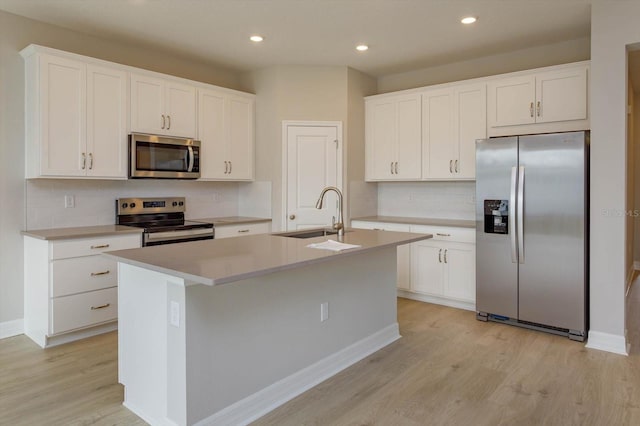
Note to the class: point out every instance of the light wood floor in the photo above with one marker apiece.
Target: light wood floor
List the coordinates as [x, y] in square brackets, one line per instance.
[448, 369]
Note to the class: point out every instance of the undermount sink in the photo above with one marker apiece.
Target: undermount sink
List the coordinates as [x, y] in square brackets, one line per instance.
[308, 233]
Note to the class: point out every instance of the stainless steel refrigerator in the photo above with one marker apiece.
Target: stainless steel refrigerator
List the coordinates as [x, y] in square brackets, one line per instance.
[532, 232]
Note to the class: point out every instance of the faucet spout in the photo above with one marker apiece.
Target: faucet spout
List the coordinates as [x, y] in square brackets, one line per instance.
[337, 225]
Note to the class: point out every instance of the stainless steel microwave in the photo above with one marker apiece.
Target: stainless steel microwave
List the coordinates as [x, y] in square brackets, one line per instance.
[163, 157]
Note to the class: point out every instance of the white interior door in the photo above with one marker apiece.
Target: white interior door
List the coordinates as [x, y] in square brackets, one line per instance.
[313, 162]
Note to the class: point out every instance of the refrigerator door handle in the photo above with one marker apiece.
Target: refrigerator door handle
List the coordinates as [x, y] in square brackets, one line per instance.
[521, 214]
[512, 216]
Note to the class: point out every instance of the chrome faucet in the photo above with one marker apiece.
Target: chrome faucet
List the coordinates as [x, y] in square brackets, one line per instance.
[337, 225]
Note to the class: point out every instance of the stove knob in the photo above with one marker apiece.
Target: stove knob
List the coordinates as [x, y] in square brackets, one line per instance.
[132, 205]
[125, 205]
[175, 203]
[181, 203]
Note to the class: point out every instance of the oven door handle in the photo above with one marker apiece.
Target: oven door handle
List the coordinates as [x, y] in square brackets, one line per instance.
[170, 235]
[191, 159]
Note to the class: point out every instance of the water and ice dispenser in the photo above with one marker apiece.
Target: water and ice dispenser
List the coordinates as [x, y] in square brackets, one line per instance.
[496, 216]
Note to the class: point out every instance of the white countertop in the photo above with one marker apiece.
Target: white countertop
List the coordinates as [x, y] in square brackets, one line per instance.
[81, 232]
[231, 220]
[462, 223]
[214, 262]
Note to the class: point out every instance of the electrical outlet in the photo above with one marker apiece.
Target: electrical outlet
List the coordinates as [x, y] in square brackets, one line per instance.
[174, 320]
[69, 201]
[324, 311]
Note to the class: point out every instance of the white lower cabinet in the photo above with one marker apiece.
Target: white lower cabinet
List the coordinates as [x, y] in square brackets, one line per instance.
[71, 291]
[439, 270]
[239, 230]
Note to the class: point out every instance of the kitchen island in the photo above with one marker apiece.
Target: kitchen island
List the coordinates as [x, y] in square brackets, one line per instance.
[223, 331]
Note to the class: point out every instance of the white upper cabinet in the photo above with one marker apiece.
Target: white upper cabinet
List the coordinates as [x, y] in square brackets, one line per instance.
[550, 100]
[75, 118]
[226, 131]
[393, 138]
[452, 119]
[163, 107]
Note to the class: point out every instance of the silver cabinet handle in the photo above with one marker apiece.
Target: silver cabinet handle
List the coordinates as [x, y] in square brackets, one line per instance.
[163, 122]
[531, 109]
[396, 167]
[440, 256]
[243, 231]
[84, 160]
[445, 255]
[538, 109]
[90, 161]
[442, 235]
[456, 166]
[391, 164]
[230, 167]
[168, 121]
[100, 246]
[520, 214]
[292, 217]
[95, 274]
[95, 308]
[450, 166]
[512, 215]
[226, 167]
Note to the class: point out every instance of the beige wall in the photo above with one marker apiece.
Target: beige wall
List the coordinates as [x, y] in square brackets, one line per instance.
[306, 94]
[534, 57]
[631, 180]
[613, 27]
[16, 33]
[636, 140]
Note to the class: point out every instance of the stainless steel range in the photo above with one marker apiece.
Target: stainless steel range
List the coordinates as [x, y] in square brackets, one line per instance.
[162, 220]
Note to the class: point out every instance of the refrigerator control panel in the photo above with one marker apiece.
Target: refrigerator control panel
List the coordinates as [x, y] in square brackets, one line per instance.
[496, 216]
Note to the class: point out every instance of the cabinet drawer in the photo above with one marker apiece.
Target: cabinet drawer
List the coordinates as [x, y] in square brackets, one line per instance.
[381, 226]
[81, 274]
[90, 246]
[227, 231]
[83, 310]
[446, 233]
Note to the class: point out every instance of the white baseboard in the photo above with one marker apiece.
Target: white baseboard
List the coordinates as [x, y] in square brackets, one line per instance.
[11, 328]
[607, 342]
[260, 403]
[468, 306]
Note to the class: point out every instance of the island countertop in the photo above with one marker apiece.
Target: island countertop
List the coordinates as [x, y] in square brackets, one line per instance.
[214, 262]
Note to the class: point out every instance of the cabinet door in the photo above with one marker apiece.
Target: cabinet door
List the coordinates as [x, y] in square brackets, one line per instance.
[147, 105]
[460, 279]
[241, 137]
[409, 143]
[470, 124]
[63, 115]
[180, 110]
[561, 95]
[427, 268]
[404, 267]
[437, 131]
[211, 132]
[511, 101]
[106, 122]
[380, 138]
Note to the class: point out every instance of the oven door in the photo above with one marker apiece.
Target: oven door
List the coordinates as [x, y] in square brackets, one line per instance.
[152, 156]
[178, 236]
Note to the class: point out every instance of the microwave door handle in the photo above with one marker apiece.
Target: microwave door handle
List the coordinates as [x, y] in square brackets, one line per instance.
[191, 159]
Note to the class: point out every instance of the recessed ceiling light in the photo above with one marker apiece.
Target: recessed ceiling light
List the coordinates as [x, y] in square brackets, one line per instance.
[468, 20]
[362, 47]
[256, 38]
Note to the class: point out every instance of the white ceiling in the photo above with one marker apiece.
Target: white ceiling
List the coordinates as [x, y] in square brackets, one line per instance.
[403, 35]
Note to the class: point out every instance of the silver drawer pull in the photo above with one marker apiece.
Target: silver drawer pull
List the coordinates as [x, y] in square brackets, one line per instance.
[442, 235]
[378, 229]
[95, 274]
[243, 231]
[100, 246]
[95, 308]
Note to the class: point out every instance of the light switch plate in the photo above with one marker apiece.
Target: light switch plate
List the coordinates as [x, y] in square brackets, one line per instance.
[324, 311]
[175, 314]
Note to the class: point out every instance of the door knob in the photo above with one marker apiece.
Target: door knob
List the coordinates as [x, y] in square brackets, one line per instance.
[292, 216]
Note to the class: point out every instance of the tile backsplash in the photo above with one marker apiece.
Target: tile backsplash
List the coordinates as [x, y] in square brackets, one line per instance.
[446, 200]
[95, 199]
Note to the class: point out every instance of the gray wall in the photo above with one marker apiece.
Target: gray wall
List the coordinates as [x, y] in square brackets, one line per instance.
[15, 34]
